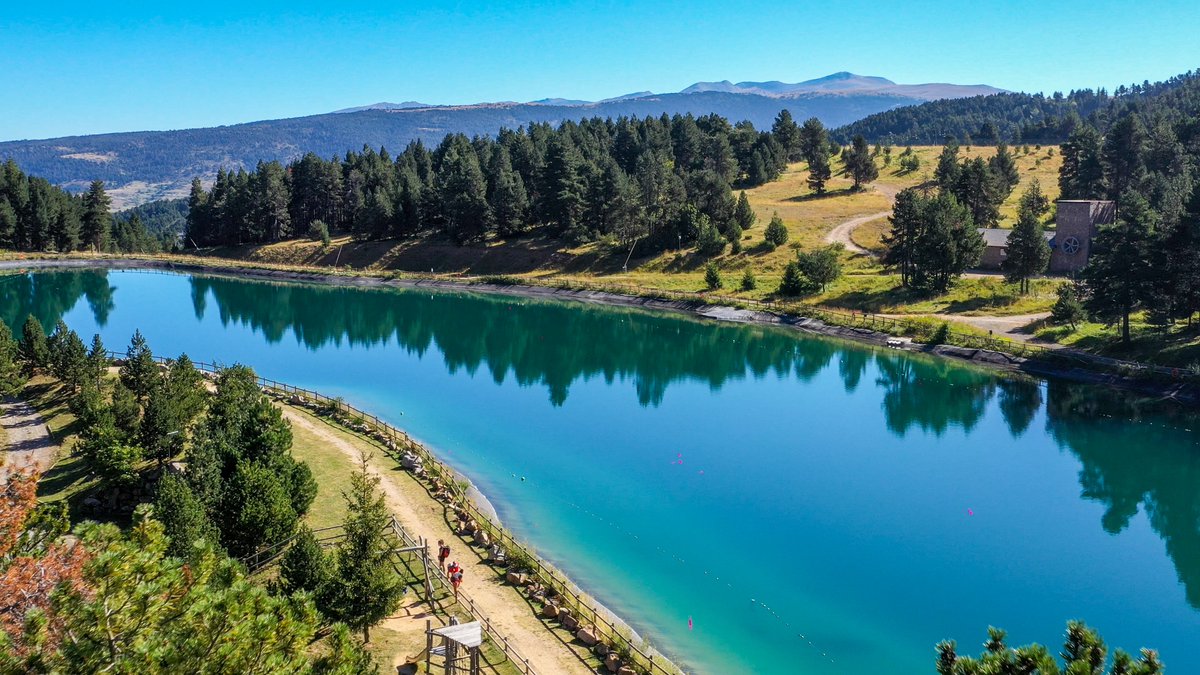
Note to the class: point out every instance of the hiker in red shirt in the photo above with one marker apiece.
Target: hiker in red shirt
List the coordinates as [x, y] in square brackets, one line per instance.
[443, 553]
[456, 581]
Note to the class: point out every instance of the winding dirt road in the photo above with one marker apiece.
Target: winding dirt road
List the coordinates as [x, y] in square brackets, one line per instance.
[29, 443]
[840, 234]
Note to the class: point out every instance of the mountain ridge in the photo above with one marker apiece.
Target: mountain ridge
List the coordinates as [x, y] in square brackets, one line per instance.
[141, 166]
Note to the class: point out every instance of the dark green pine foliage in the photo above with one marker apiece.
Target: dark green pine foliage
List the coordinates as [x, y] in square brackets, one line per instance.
[463, 192]
[306, 567]
[859, 162]
[627, 179]
[932, 240]
[744, 215]
[139, 373]
[506, 195]
[1028, 250]
[34, 351]
[1122, 156]
[97, 217]
[1004, 166]
[981, 191]
[11, 375]
[947, 172]
[1082, 172]
[366, 587]
[1083, 653]
[183, 516]
[787, 134]
[1119, 274]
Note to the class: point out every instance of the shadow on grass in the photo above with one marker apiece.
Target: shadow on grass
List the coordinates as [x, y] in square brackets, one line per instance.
[829, 194]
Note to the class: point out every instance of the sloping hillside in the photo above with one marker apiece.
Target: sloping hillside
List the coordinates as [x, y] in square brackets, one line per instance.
[141, 166]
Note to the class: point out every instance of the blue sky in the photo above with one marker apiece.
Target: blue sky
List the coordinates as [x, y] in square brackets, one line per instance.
[74, 68]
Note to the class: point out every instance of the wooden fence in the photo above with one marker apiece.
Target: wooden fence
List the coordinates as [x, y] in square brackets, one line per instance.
[396, 443]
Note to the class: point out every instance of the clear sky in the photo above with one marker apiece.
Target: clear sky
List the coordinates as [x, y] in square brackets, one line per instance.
[75, 68]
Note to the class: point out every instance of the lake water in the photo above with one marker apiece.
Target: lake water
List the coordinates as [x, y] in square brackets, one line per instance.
[812, 506]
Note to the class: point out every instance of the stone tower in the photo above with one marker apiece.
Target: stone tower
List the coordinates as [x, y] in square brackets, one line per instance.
[1075, 226]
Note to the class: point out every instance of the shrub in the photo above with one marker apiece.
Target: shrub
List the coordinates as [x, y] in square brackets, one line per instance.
[709, 241]
[793, 282]
[319, 231]
[712, 276]
[776, 233]
[749, 283]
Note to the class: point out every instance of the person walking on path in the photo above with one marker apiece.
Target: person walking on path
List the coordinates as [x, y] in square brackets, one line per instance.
[443, 553]
[452, 569]
[456, 581]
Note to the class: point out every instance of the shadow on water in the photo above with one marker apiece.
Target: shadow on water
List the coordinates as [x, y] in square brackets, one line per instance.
[1135, 454]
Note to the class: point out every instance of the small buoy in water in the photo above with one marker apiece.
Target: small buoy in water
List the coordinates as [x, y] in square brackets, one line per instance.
[522, 479]
[970, 512]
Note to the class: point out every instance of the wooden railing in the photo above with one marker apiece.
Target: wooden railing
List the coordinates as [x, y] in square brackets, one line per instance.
[396, 443]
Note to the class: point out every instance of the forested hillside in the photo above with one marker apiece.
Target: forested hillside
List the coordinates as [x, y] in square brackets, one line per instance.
[158, 162]
[665, 181]
[1025, 118]
[37, 216]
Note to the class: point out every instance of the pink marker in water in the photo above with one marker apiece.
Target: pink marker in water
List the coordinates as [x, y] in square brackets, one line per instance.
[970, 512]
[690, 624]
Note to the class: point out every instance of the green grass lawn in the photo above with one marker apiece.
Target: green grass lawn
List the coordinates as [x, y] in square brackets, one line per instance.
[1177, 346]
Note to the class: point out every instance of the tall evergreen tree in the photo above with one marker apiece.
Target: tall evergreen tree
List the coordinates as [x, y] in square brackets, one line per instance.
[1119, 276]
[139, 372]
[787, 134]
[947, 171]
[744, 214]
[367, 586]
[1028, 250]
[11, 377]
[97, 219]
[33, 348]
[859, 163]
[463, 194]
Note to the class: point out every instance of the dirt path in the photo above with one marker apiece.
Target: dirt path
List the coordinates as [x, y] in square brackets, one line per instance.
[840, 234]
[29, 441]
[1012, 327]
[424, 517]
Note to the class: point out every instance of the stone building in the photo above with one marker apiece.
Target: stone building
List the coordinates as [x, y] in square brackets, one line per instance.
[1070, 240]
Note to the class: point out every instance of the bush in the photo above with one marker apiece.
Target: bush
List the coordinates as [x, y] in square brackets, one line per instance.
[709, 241]
[749, 283]
[712, 276]
[776, 234]
[1068, 308]
[319, 231]
[794, 281]
[822, 266]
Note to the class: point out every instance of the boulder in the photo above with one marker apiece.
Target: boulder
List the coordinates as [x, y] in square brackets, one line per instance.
[626, 670]
[550, 611]
[600, 649]
[515, 578]
[612, 662]
[587, 636]
[569, 622]
[482, 538]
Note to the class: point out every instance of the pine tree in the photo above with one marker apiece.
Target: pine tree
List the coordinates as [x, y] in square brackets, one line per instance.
[139, 373]
[1068, 307]
[819, 171]
[776, 234]
[97, 360]
[97, 220]
[1028, 250]
[981, 191]
[859, 163]
[749, 283]
[11, 377]
[463, 194]
[948, 244]
[1004, 166]
[787, 134]
[506, 195]
[1122, 155]
[908, 222]
[1119, 274]
[793, 281]
[712, 276]
[1034, 200]
[744, 215]
[563, 188]
[814, 141]
[305, 566]
[33, 348]
[947, 171]
[182, 515]
[367, 586]
[1082, 172]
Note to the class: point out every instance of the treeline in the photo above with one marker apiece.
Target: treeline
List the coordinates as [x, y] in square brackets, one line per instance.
[38, 216]
[1019, 118]
[240, 491]
[1147, 160]
[934, 237]
[167, 591]
[667, 181]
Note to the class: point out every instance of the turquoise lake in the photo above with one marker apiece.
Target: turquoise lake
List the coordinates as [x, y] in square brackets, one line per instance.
[813, 506]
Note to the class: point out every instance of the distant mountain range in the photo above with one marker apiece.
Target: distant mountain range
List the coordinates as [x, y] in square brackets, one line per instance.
[146, 165]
